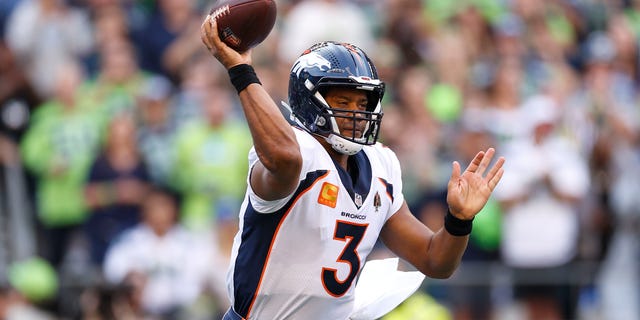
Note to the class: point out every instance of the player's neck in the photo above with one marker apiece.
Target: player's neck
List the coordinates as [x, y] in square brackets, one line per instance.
[340, 158]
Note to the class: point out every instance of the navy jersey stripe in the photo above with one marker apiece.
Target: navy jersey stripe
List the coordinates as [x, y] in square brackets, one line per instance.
[361, 167]
[389, 187]
[364, 174]
[258, 235]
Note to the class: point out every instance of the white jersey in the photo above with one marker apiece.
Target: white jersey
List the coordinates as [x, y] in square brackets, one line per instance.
[298, 257]
[169, 281]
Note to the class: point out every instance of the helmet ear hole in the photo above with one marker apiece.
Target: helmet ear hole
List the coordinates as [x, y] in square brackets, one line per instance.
[321, 122]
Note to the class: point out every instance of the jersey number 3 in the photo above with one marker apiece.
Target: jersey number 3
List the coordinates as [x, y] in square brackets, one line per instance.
[352, 234]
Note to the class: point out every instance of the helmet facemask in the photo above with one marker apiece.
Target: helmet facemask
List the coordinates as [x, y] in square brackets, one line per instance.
[350, 142]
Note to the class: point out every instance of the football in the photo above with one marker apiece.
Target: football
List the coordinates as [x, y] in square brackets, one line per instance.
[243, 24]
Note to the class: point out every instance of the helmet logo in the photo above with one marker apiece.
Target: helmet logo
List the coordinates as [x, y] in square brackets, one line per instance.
[311, 60]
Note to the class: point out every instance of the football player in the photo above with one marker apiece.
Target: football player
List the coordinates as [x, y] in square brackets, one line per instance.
[321, 189]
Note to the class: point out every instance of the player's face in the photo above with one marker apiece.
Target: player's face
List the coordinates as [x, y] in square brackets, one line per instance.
[350, 124]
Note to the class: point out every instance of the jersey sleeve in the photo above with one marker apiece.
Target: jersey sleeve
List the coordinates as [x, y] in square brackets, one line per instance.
[308, 152]
[395, 175]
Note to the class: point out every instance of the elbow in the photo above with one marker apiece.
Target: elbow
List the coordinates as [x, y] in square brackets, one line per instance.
[444, 274]
[291, 160]
[438, 271]
[283, 160]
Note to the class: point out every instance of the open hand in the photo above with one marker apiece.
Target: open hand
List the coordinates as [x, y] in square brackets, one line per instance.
[467, 193]
[225, 54]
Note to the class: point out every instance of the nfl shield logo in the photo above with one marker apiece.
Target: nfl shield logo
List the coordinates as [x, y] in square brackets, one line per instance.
[358, 200]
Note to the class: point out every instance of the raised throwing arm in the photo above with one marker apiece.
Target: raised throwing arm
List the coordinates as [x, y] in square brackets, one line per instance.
[276, 174]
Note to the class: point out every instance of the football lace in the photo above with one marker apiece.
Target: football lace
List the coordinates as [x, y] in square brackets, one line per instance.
[224, 10]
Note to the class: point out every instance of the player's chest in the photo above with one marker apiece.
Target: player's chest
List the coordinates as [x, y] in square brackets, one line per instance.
[331, 200]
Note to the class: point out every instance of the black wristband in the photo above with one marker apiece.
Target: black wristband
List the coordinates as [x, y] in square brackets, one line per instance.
[242, 76]
[457, 227]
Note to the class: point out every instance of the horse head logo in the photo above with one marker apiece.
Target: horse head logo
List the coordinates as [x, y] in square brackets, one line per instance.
[311, 60]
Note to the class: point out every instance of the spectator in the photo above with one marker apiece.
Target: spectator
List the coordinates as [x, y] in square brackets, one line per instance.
[509, 32]
[449, 59]
[45, 35]
[211, 165]
[605, 121]
[161, 260]
[625, 41]
[406, 28]
[197, 78]
[157, 129]
[421, 166]
[62, 139]
[477, 31]
[116, 185]
[170, 37]
[306, 24]
[504, 98]
[477, 301]
[118, 81]
[543, 185]
[110, 25]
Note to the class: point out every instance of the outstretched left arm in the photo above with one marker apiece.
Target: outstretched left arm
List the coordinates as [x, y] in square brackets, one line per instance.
[438, 254]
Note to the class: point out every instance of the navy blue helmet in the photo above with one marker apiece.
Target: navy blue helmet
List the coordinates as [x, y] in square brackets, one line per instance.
[331, 64]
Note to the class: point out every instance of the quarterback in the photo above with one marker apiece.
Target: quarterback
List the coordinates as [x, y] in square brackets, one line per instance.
[320, 192]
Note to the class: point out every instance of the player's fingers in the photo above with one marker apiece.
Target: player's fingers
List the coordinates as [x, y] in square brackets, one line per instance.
[205, 32]
[215, 37]
[455, 171]
[486, 159]
[213, 24]
[203, 24]
[492, 172]
[495, 179]
[203, 28]
[473, 165]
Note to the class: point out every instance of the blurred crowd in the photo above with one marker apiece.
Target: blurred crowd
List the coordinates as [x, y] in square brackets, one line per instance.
[123, 150]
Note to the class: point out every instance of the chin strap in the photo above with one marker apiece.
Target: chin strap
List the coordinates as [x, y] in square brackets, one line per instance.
[343, 145]
[338, 143]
